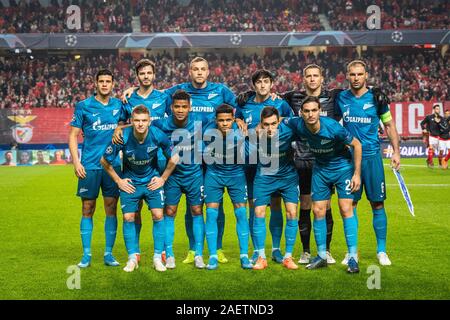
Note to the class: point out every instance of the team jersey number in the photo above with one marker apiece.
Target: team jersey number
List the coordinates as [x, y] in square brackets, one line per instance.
[348, 187]
[202, 193]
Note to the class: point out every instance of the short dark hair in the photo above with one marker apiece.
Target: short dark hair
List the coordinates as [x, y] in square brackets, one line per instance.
[140, 109]
[269, 111]
[261, 74]
[144, 63]
[310, 99]
[104, 72]
[181, 95]
[435, 106]
[224, 108]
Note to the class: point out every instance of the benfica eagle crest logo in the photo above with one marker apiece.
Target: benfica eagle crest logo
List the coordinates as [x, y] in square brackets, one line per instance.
[22, 132]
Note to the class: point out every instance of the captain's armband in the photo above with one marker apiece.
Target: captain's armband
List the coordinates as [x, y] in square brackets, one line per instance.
[386, 117]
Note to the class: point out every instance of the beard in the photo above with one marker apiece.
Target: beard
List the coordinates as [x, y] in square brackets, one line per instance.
[145, 86]
[358, 86]
[199, 83]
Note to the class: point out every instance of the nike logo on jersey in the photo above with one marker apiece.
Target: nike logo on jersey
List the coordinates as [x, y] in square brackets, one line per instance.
[83, 190]
[115, 112]
[123, 206]
[156, 105]
[150, 149]
[367, 106]
[324, 141]
[95, 114]
[129, 151]
[212, 95]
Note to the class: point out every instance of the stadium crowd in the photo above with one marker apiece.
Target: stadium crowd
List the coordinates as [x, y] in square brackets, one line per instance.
[32, 17]
[57, 83]
[223, 15]
[347, 15]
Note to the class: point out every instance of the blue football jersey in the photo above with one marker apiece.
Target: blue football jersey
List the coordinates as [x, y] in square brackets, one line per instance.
[281, 152]
[97, 121]
[205, 101]
[158, 103]
[251, 111]
[139, 159]
[361, 117]
[329, 145]
[227, 154]
[188, 140]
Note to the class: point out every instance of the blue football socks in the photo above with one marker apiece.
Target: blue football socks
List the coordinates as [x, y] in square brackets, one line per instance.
[211, 230]
[351, 236]
[169, 224]
[86, 227]
[320, 234]
[242, 229]
[110, 233]
[380, 227]
[290, 234]
[276, 227]
[199, 233]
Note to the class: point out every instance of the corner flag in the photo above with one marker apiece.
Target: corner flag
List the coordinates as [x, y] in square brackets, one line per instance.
[405, 191]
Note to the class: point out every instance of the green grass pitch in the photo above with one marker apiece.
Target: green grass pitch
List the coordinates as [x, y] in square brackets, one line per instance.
[40, 240]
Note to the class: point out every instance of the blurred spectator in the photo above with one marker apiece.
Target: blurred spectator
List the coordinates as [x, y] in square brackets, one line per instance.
[48, 82]
[346, 15]
[222, 15]
[97, 16]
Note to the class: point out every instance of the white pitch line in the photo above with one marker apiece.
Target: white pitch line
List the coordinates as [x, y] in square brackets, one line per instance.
[420, 185]
[407, 165]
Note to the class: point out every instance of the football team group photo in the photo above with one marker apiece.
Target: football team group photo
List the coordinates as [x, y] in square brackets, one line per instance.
[224, 150]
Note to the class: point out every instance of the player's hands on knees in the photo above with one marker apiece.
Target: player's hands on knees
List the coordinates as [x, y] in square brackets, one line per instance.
[395, 161]
[117, 136]
[125, 185]
[80, 172]
[260, 132]
[155, 183]
[127, 94]
[242, 126]
[355, 184]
